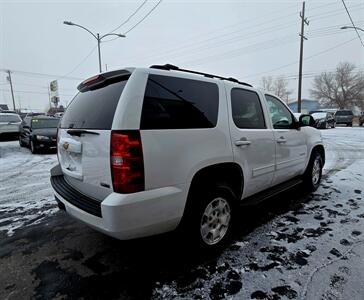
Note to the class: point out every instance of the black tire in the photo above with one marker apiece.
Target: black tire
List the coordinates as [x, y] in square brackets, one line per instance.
[21, 143]
[195, 216]
[350, 124]
[310, 179]
[33, 147]
[333, 125]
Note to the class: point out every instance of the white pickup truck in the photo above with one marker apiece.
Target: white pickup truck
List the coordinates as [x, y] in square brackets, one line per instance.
[144, 151]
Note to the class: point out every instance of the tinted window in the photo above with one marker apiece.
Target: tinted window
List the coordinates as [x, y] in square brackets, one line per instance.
[246, 109]
[344, 113]
[279, 113]
[45, 123]
[9, 118]
[93, 109]
[176, 103]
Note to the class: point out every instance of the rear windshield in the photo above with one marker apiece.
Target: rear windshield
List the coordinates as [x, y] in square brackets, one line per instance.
[9, 118]
[44, 123]
[344, 113]
[93, 109]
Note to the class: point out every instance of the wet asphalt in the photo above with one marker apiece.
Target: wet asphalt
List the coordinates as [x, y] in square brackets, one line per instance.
[294, 246]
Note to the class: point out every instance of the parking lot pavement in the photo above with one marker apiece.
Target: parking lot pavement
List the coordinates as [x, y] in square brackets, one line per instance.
[295, 245]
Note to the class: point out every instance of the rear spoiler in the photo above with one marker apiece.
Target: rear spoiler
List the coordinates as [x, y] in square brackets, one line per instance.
[103, 79]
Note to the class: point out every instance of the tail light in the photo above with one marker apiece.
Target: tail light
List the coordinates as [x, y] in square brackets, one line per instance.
[126, 160]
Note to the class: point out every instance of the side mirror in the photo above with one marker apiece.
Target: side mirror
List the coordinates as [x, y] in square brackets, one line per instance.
[306, 120]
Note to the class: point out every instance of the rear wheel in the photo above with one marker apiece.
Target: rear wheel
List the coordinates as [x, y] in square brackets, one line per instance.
[208, 217]
[350, 124]
[333, 125]
[313, 174]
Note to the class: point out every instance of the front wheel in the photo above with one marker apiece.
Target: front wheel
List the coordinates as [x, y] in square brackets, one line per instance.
[313, 174]
[21, 143]
[33, 147]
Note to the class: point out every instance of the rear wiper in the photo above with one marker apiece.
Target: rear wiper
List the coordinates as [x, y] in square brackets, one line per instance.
[78, 132]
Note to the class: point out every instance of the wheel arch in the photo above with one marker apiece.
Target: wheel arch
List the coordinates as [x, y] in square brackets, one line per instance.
[321, 150]
[229, 173]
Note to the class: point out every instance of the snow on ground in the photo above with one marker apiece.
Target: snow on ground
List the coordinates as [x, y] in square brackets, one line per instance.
[293, 246]
[310, 252]
[25, 192]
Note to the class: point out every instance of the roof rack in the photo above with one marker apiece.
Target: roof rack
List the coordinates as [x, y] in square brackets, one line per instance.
[169, 67]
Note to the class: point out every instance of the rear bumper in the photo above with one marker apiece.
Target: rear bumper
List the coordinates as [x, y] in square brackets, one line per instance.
[127, 216]
[9, 131]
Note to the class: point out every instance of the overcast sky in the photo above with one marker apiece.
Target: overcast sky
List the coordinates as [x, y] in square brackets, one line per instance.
[242, 39]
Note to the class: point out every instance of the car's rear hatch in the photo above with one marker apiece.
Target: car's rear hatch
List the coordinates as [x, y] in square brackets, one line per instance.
[85, 132]
[9, 123]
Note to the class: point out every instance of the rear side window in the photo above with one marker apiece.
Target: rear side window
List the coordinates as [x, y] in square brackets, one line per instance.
[9, 118]
[177, 103]
[246, 109]
[94, 109]
[344, 113]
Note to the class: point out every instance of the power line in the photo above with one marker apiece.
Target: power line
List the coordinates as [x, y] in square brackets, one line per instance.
[214, 38]
[352, 22]
[80, 63]
[295, 62]
[35, 74]
[132, 15]
[140, 21]
[33, 92]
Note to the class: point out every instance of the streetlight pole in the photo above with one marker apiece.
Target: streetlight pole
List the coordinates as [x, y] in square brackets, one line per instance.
[352, 27]
[96, 36]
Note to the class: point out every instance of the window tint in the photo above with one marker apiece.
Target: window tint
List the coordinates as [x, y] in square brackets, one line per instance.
[281, 116]
[9, 118]
[344, 113]
[176, 103]
[246, 109]
[93, 109]
[44, 123]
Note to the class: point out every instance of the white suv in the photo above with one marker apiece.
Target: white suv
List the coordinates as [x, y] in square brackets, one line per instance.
[144, 151]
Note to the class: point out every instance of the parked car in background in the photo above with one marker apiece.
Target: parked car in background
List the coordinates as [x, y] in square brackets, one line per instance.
[361, 119]
[174, 148]
[344, 116]
[38, 132]
[323, 120]
[9, 124]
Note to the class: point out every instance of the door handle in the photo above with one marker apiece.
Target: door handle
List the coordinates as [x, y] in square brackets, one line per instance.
[242, 142]
[281, 140]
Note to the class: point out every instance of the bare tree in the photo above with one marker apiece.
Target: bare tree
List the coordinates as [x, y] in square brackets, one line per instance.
[267, 83]
[343, 88]
[277, 86]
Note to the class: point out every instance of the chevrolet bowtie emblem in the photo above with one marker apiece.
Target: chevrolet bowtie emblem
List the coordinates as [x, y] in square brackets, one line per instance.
[66, 145]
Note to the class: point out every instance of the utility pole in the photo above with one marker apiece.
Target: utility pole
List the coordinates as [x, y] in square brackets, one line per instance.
[11, 87]
[302, 35]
